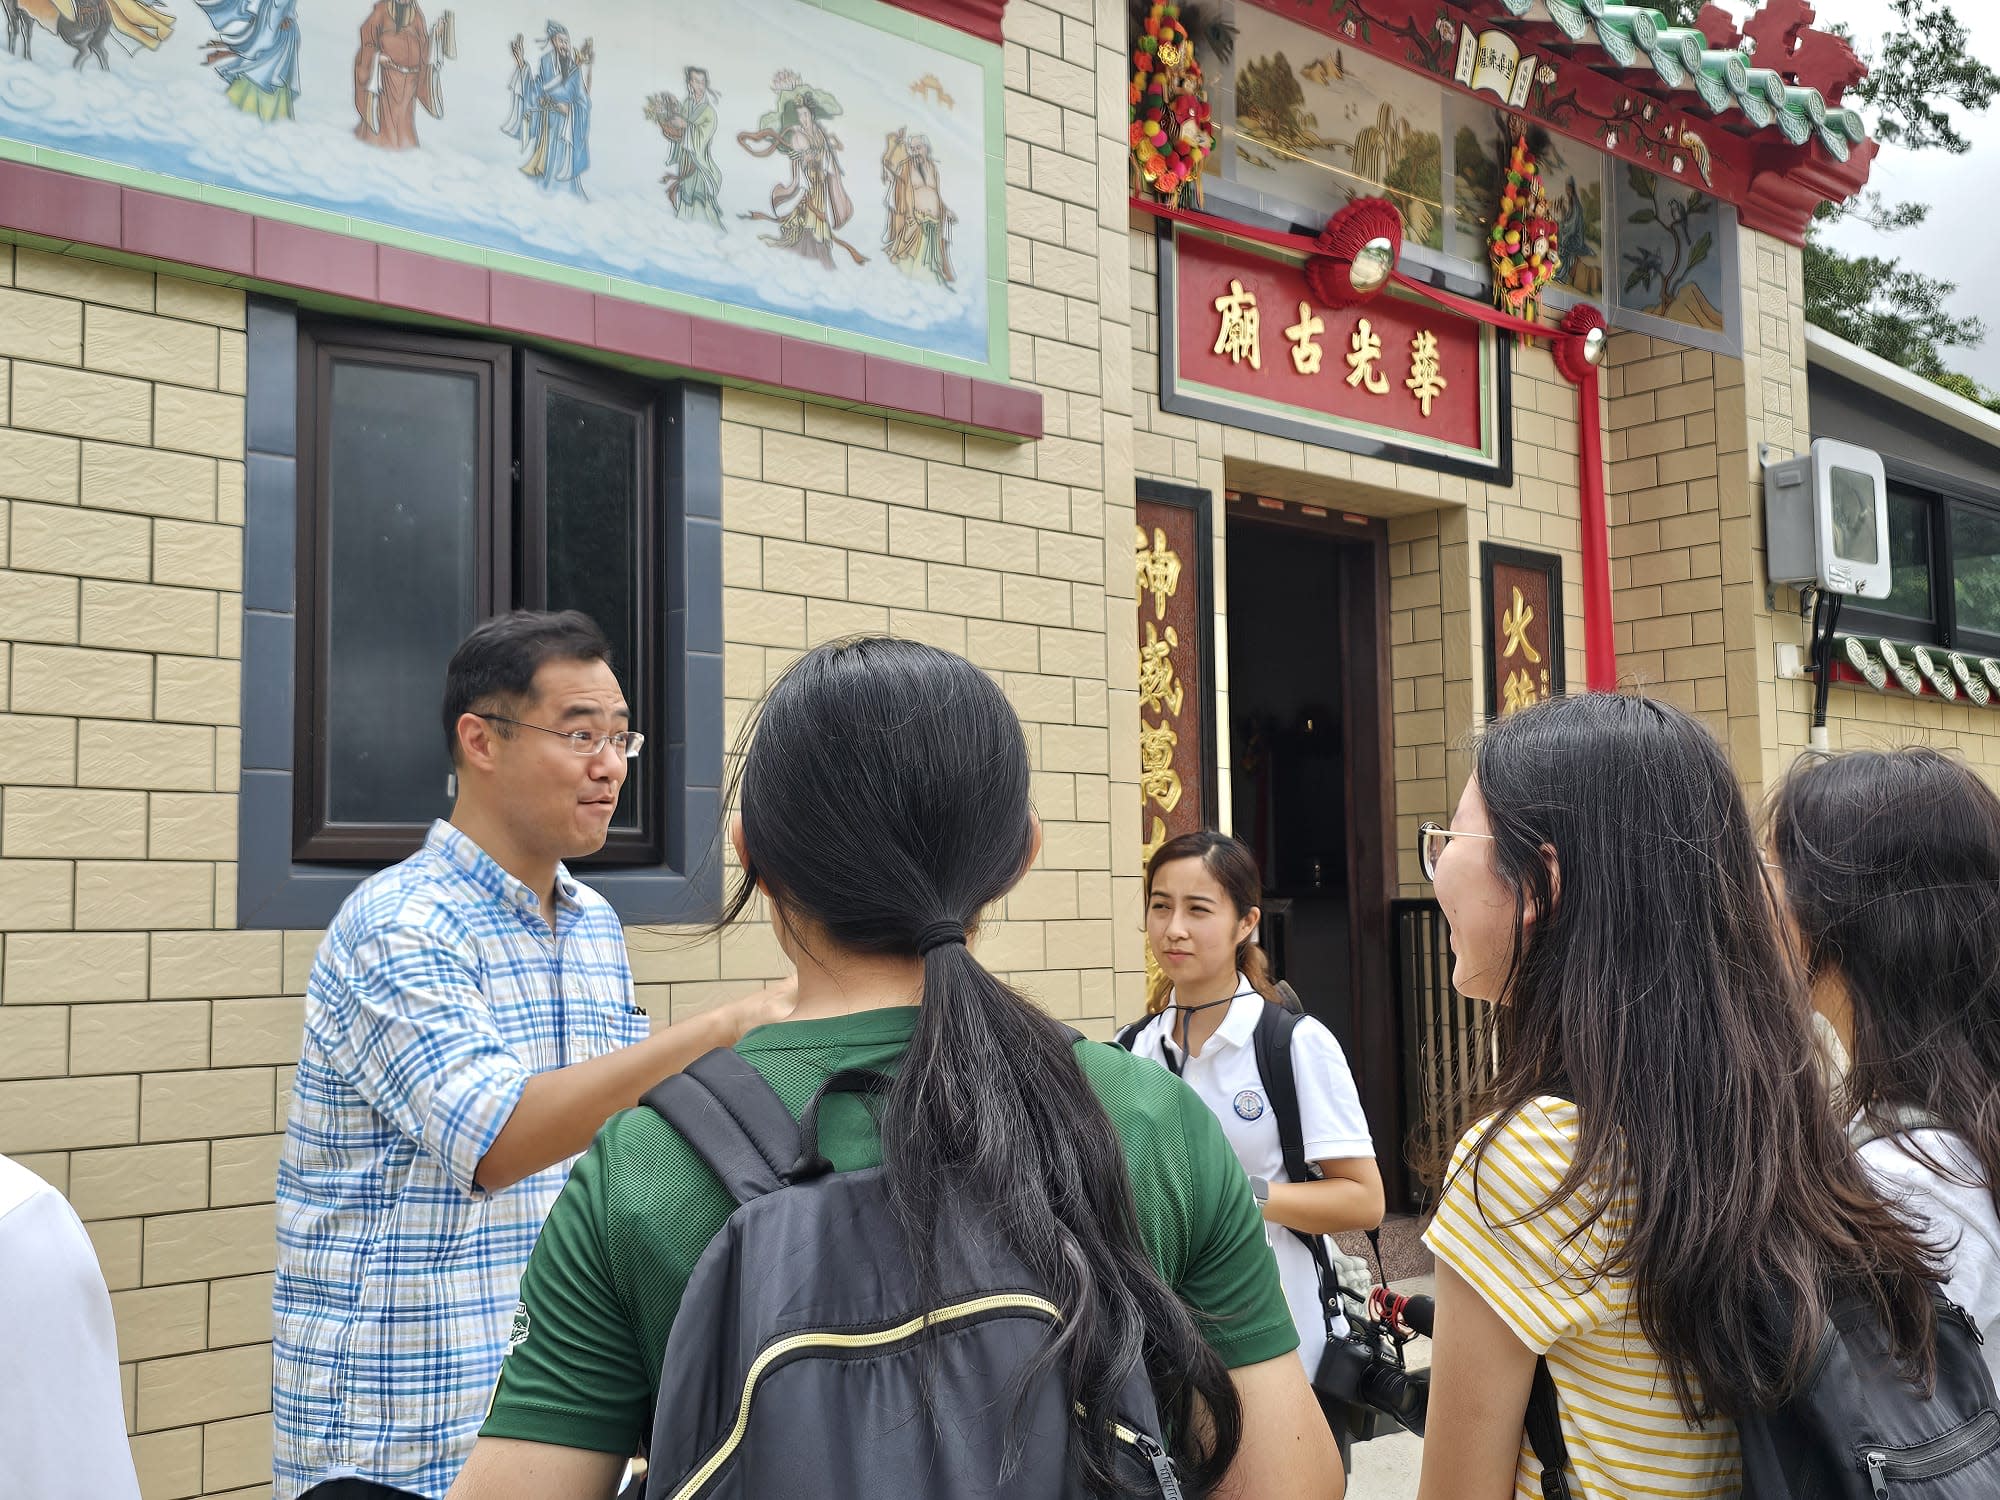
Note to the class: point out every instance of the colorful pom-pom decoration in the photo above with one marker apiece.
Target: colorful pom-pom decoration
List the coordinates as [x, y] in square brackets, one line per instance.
[1523, 244]
[1172, 130]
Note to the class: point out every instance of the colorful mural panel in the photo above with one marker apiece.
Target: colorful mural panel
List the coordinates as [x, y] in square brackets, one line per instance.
[1321, 124]
[831, 165]
[1669, 252]
[1482, 139]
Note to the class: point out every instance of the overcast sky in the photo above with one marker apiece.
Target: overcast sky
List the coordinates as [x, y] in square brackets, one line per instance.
[1961, 240]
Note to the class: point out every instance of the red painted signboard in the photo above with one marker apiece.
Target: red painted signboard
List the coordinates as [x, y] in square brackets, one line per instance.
[1252, 345]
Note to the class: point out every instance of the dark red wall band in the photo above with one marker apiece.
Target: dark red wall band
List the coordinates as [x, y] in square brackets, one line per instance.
[980, 18]
[180, 231]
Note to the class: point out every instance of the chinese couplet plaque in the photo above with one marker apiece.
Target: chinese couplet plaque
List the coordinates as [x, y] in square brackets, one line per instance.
[1244, 341]
[1169, 555]
[1524, 627]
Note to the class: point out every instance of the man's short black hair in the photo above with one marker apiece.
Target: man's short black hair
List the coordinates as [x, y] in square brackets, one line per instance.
[500, 658]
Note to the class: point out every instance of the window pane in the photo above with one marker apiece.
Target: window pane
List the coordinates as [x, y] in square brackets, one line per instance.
[1909, 558]
[594, 543]
[1975, 564]
[402, 500]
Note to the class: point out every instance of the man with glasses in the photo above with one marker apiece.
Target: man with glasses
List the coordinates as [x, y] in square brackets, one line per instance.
[469, 1025]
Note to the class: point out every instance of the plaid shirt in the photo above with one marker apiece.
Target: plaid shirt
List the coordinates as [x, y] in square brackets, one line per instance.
[438, 991]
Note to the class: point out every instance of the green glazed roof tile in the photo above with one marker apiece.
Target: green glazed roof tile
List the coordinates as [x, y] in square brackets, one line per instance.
[1615, 34]
[1723, 78]
[1685, 44]
[1569, 19]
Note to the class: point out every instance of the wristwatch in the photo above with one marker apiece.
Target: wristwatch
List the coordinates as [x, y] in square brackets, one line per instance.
[1260, 1189]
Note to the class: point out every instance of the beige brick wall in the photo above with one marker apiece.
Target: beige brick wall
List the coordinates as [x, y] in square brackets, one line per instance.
[146, 1049]
[1697, 622]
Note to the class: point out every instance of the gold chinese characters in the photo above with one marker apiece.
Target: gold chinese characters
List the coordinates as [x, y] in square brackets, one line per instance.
[1238, 339]
[1158, 571]
[1517, 688]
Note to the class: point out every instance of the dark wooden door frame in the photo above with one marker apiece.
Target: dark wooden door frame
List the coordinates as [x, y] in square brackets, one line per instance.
[1368, 766]
[1368, 777]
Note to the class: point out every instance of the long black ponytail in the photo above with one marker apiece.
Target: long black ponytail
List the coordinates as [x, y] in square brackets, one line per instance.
[885, 798]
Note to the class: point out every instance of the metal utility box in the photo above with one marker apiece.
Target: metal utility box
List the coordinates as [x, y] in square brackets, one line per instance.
[1826, 520]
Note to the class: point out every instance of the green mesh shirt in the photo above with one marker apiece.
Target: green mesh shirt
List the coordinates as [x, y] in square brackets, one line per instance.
[607, 1274]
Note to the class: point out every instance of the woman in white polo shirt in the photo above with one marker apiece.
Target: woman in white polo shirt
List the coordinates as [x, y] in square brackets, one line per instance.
[1202, 891]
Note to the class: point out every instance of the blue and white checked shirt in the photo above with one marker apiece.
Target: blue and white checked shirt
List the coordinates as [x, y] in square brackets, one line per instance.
[438, 991]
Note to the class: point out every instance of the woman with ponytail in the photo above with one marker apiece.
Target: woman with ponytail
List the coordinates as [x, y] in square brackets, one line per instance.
[1202, 891]
[884, 810]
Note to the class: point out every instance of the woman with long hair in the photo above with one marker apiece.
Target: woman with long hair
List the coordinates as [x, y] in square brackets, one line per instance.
[1657, 1168]
[1202, 891]
[884, 809]
[1890, 868]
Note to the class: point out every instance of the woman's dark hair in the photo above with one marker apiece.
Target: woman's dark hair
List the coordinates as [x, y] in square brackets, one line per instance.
[1891, 862]
[1653, 989]
[499, 659]
[885, 791]
[1235, 870]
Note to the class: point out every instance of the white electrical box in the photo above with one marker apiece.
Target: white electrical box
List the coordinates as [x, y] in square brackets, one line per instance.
[1826, 520]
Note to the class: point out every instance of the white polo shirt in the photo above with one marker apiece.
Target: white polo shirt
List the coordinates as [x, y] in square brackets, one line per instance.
[62, 1419]
[1330, 1119]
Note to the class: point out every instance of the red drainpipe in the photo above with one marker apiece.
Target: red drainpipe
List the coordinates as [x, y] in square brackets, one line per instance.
[1600, 656]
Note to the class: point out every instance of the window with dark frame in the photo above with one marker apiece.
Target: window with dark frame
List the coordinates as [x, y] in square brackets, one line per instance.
[443, 481]
[1944, 552]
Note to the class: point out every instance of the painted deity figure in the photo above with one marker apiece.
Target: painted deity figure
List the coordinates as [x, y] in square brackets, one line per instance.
[813, 204]
[918, 239]
[399, 65]
[256, 52]
[551, 110]
[693, 180]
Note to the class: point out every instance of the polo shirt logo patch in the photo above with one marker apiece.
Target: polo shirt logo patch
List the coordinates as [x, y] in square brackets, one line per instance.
[1249, 1105]
[518, 1334]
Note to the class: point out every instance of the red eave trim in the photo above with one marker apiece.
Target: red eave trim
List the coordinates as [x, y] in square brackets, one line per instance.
[180, 231]
[980, 18]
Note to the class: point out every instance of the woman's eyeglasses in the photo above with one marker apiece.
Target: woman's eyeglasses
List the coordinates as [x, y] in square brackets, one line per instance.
[1431, 839]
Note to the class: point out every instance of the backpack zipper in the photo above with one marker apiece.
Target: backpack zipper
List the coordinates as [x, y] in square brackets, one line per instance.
[1018, 1301]
[1154, 1454]
[1934, 1457]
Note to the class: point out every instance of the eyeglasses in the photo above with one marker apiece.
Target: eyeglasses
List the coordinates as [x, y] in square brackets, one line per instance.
[583, 741]
[1431, 839]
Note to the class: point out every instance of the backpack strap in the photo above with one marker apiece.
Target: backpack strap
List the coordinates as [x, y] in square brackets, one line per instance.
[1128, 1036]
[734, 1120]
[1545, 1434]
[1879, 1122]
[1271, 1043]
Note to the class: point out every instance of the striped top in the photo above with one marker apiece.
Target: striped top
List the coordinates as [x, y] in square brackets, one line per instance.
[1624, 1429]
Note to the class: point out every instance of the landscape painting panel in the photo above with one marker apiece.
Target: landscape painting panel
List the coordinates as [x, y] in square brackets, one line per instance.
[1320, 124]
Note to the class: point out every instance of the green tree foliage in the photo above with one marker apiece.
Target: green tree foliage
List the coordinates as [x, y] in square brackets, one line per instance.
[1925, 69]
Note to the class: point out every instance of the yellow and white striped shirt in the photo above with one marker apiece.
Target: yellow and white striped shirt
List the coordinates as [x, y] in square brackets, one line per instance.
[1624, 1429]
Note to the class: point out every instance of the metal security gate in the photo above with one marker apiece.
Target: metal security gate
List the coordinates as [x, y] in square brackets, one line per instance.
[1447, 1050]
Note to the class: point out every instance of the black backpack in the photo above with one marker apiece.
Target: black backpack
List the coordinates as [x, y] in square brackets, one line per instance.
[1855, 1429]
[795, 1364]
